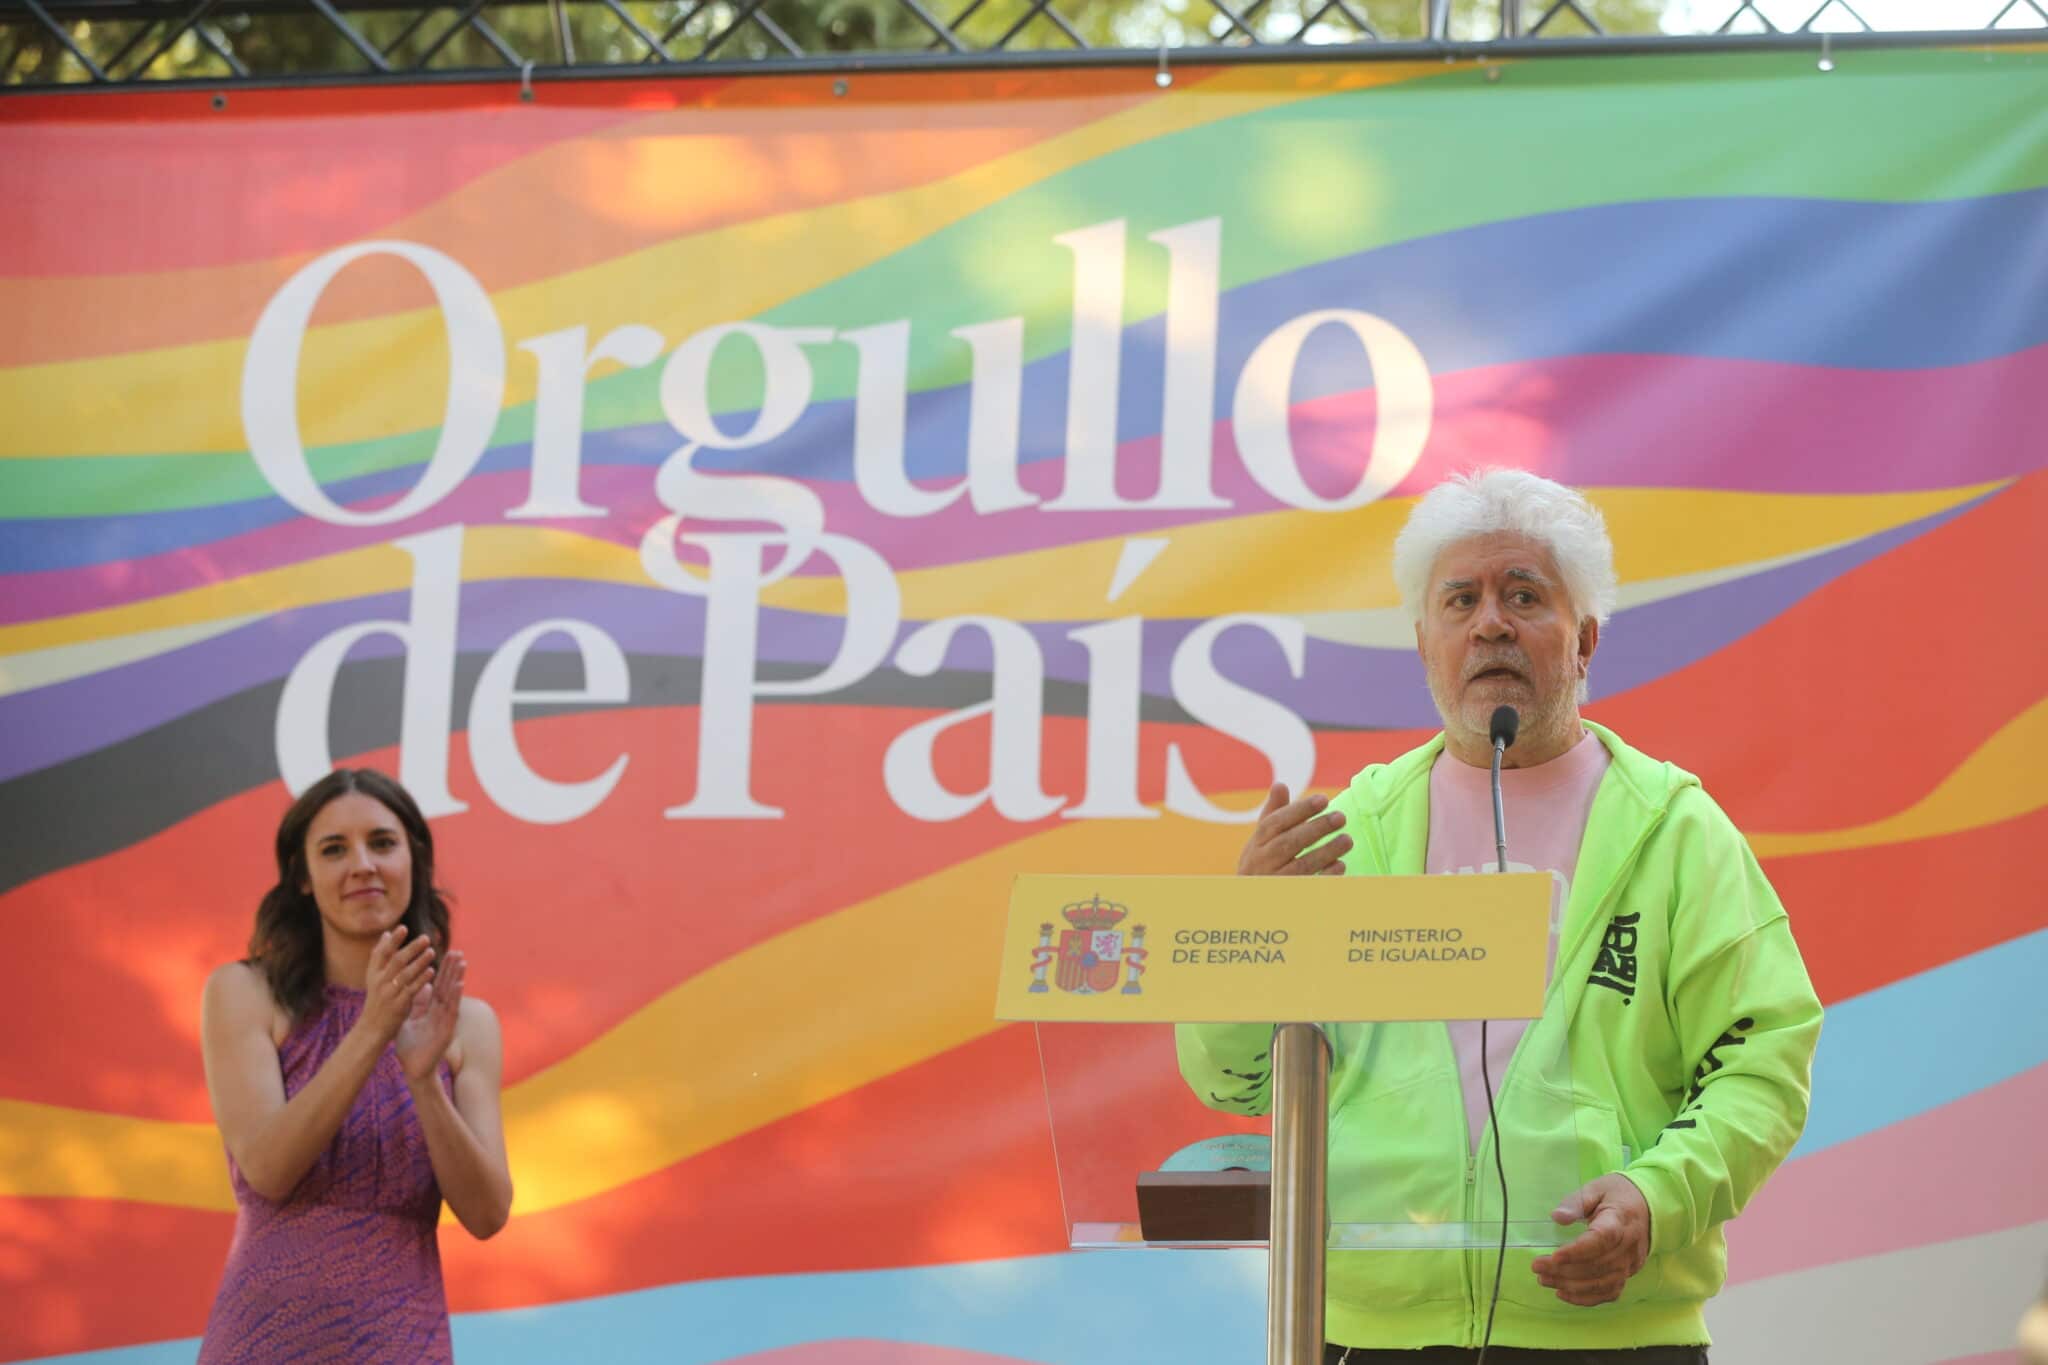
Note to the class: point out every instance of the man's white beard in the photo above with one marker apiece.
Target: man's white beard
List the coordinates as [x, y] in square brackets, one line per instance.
[1541, 722]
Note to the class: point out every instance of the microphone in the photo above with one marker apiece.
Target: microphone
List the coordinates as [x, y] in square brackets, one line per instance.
[1501, 730]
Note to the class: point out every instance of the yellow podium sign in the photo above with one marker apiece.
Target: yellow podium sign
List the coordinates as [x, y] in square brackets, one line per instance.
[1154, 950]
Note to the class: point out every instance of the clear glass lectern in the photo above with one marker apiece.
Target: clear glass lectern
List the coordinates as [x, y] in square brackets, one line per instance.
[1144, 1162]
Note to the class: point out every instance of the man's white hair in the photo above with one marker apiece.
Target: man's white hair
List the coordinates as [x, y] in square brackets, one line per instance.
[1492, 500]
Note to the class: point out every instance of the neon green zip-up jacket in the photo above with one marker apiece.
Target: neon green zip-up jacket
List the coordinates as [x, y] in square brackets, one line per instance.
[1691, 1028]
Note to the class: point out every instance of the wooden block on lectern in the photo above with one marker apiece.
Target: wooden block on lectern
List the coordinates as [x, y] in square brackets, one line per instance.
[1205, 1206]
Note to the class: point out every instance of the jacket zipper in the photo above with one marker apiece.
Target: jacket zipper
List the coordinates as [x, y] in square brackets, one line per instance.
[1471, 1157]
[1471, 1283]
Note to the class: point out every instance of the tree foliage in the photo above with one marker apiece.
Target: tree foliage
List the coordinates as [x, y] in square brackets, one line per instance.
[298, 40]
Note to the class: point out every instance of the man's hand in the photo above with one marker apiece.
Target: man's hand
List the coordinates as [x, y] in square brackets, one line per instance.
[1594, 1267]
[1285, 828]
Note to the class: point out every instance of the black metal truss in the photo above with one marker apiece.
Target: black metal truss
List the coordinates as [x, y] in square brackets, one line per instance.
[204, 42]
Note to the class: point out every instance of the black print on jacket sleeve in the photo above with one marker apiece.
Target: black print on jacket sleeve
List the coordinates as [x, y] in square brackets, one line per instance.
[1712, 1062]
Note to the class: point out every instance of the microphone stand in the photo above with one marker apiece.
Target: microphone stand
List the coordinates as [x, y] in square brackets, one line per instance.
[1505, 721]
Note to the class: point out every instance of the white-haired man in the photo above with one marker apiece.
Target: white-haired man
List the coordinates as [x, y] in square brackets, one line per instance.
[1678, 1004]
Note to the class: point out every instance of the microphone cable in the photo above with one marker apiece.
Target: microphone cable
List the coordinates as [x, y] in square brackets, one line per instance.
[1505, 721]
[1500, 1264]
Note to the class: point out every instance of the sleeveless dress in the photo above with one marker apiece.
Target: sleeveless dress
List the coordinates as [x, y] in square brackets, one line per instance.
[345, 1268]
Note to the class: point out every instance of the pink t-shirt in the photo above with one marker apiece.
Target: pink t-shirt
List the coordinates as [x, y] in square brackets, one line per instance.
[1546, 808]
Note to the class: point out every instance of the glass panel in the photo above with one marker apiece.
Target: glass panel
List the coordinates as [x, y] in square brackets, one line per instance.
[1148, 1156]
[1405, 1170]
[1119, 1111]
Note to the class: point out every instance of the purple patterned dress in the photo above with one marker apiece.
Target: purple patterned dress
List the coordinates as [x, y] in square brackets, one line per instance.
[346, 1268]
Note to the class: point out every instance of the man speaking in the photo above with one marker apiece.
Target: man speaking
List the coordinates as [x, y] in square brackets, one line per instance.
[1677, 997]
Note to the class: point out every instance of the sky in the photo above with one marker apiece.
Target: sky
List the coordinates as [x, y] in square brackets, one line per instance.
[1693, 16]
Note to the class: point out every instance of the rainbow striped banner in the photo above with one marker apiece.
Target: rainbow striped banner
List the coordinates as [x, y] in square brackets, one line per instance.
[760, 518]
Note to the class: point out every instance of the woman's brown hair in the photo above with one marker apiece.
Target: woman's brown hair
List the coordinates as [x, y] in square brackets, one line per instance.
[286, 943]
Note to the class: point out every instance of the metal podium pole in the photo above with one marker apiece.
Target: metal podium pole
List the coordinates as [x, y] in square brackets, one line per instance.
[1300, 1218]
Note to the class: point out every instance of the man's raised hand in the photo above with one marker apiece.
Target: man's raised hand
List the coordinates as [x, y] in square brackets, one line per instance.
[1279, 845]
